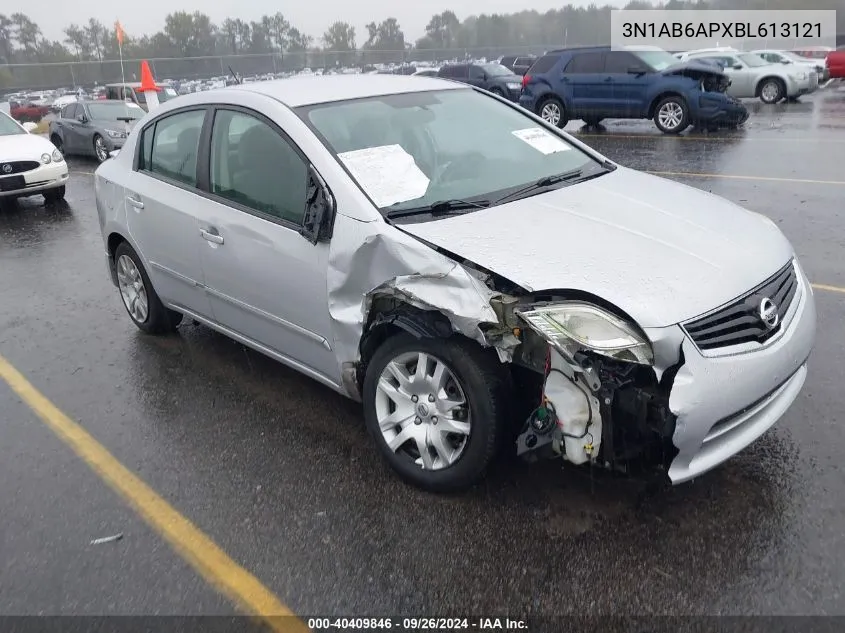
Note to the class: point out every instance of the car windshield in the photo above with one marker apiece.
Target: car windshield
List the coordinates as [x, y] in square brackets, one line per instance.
[114, 111]
[793, 57]
[415, 149]
[657, 60]
[753, 61]
[496, 70]
[8, 127]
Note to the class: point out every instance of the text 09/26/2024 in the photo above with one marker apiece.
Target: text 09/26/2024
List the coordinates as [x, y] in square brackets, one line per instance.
[417, 624]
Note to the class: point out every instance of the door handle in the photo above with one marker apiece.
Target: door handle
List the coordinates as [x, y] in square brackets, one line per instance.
[608, 79]
[211, 235]
[135, 201]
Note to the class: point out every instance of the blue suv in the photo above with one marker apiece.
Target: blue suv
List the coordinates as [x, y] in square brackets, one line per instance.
[596, 83]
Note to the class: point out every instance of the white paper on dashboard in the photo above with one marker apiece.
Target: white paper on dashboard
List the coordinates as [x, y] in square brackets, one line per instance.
[541, 140]
[387, 173]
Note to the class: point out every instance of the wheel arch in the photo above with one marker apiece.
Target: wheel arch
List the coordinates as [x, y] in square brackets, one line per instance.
[662, 95]
[759, 86]
[388, 318]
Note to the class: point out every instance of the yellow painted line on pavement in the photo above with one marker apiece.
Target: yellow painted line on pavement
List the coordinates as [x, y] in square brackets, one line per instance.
[205, 556]
[687, 174]
[839, 289]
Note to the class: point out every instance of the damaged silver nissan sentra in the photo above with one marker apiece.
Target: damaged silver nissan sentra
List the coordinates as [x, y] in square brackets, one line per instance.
[477, 278]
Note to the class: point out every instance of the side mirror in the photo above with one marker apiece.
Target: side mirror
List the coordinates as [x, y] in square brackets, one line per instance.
[82, 118]
[320, 207]
[29, 126]
[737, 66]
[637, 70]
[786, 61]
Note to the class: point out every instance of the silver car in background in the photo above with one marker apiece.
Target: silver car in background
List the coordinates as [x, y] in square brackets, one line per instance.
[754, 77]
[93, 128]
[476, 277]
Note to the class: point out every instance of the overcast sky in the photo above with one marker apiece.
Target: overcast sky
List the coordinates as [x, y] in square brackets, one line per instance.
[312, 16]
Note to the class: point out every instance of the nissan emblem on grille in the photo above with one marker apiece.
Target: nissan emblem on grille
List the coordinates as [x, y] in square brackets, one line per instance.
[769, 313]
[7, 169]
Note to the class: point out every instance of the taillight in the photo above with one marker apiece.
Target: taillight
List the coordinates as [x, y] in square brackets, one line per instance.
[525, 79]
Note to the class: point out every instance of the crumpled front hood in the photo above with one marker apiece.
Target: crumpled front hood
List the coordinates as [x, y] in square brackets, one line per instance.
[694, 65]
[661, 251]
[23, 147]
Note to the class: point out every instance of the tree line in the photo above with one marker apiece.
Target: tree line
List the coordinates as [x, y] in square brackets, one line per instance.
[274, 38]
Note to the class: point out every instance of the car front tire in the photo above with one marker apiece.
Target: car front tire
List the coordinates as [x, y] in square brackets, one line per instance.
[436, 409]
[671, 115]
[772, 90]
[57, 141]
[138, 295]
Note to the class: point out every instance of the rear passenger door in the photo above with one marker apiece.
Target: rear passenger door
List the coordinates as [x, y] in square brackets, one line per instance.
[266, 282]
[67, 122]
[162, 208]
[584, 74]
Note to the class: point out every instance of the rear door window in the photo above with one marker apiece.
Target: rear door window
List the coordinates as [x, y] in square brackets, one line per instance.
[544, 64]
[169, 147]
[585, 63]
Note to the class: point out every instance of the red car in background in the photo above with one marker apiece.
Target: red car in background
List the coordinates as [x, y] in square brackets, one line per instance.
[836, 63]
[834, 58]
[24, 112]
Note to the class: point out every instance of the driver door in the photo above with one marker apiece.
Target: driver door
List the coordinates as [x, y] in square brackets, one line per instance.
[266, 282]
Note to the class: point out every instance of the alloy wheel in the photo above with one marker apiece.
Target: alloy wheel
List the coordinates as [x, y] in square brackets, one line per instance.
[551, 113]
[132, 289]
[671, 115]
[100, 149]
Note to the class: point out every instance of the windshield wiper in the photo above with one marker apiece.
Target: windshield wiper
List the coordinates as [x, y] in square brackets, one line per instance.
[547, 181]
[441, 207]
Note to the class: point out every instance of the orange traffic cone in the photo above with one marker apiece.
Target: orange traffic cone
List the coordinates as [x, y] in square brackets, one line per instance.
[148, 86]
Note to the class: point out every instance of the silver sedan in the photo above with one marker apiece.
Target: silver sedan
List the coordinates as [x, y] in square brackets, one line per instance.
[478, 279]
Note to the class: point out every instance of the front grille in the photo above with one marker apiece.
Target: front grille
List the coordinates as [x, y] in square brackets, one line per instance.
[17, 167]
[740, 321]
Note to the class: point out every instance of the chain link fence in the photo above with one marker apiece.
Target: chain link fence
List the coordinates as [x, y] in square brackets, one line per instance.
[16, 77]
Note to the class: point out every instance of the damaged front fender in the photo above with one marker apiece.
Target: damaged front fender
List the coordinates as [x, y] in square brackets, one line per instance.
[374, 261]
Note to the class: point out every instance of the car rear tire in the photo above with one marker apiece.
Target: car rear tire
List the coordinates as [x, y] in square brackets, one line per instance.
[593, 122]
[100, 150]
[54, 195]
[436, 409]
[772, 90]
[552, 110]
[138, 295]
[671, 115]
[57, 141]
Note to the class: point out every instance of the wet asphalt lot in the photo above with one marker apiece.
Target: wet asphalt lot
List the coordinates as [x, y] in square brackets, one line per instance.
[280, 473]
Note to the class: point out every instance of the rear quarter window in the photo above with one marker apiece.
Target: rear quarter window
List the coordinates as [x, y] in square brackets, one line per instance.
[544, 64]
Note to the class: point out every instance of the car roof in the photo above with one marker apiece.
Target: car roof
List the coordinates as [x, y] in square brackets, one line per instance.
[302, 91]
[579, 49]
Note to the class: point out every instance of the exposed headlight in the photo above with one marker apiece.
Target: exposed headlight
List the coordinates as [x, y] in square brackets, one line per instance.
[116, 133]
[574, 326]
[45, 158]
[798, 76]
[514, 86]
[57, 156]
